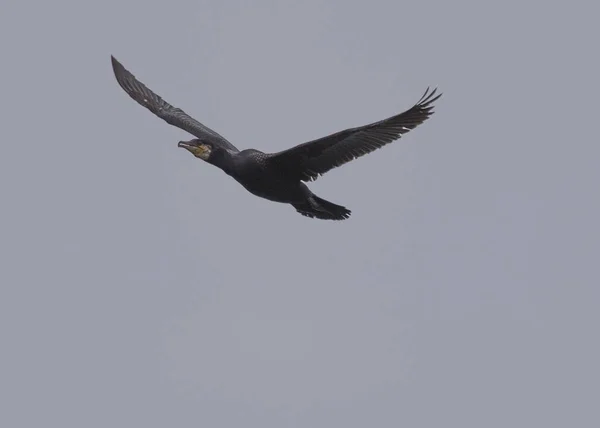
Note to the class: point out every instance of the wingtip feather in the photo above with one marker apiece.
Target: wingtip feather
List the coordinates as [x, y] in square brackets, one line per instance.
[428, 97]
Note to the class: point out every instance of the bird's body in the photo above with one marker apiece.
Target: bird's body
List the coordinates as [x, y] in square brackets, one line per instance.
[250, 169]
[280, 177]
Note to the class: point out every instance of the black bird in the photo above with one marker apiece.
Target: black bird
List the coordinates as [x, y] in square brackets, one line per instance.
[279, 176]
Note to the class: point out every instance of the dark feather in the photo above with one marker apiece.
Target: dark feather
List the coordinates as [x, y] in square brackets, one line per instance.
[310, 160]
[172, 115]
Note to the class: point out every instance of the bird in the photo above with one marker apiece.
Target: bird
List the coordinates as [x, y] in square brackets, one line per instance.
[281, 176]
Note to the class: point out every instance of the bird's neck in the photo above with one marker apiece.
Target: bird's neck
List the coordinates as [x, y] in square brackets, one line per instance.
[222, 159]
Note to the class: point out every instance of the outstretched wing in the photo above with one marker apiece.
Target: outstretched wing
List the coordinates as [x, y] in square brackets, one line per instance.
[172, 115]
[310, 160]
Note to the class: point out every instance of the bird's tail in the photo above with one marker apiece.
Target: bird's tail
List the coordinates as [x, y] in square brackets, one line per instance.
[316, 207]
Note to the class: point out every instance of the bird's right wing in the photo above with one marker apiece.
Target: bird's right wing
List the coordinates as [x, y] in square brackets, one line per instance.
[172, 115]
[308, 161]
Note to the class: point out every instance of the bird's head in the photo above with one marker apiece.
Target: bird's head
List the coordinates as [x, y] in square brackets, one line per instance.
[200, 149]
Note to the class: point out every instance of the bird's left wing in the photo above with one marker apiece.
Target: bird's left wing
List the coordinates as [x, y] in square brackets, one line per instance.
[172, 115]
[308, 161]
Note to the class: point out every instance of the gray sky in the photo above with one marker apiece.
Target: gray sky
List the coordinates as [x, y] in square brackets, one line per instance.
[141, 287]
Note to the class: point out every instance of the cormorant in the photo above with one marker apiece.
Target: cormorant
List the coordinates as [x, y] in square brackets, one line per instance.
[279, 176]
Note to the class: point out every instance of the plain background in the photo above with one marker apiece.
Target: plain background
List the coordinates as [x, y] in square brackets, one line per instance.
[141, 287]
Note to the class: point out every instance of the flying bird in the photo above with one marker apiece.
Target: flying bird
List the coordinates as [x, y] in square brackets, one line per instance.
[281, 177]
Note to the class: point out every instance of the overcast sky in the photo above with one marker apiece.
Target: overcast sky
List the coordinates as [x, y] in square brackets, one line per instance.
[141, 287]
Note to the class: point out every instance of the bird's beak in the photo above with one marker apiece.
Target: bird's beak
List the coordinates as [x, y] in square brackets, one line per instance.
[190, 146]
[199, 150]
